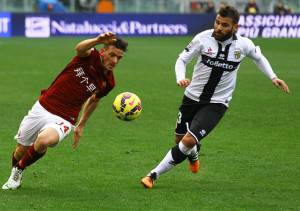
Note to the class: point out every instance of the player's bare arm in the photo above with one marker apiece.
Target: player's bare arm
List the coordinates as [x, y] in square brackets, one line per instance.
[83, 48]
[281, 84]
[88, 108]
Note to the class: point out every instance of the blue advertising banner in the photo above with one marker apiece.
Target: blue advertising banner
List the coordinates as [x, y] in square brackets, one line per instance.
[86, 24]
[37, 25]
[5, 24]
[270, 26]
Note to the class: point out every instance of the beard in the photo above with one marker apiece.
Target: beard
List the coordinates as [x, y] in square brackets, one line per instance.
[222, 37]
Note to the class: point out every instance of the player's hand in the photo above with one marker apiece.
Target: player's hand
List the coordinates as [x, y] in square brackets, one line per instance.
[78, 131]
[184, 83]
[107, 38]
[281, 84]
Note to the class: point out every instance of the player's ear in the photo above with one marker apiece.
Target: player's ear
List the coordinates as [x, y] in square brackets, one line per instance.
[101, 51]
[235, 27]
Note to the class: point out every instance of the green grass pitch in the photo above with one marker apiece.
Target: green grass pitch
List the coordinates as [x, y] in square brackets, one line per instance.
[251, 161]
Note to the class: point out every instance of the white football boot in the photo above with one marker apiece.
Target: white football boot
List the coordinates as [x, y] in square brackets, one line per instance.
[15, 179]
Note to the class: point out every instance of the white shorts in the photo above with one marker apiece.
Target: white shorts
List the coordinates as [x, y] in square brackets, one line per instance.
[37, 120]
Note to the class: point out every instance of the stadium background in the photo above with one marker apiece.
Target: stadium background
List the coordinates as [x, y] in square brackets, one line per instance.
[250, 162]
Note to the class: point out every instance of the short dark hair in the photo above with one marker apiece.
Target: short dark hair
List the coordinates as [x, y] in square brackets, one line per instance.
[230, 12]
[120, 44]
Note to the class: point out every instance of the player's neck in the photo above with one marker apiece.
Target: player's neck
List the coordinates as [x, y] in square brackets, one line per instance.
[103, 69]
[225, 38]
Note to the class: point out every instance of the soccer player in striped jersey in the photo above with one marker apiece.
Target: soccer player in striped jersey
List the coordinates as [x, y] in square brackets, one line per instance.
[219, 52]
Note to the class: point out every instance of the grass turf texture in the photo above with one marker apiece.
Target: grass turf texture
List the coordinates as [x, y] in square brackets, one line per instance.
[249, 162]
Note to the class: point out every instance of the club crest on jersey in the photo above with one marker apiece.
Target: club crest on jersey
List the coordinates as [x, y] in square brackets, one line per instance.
[237, 54]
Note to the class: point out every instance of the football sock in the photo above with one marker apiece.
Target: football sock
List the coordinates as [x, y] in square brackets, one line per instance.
[165, 165]
[193, 156]
[29, 158]
[175, 156]
[14, 161]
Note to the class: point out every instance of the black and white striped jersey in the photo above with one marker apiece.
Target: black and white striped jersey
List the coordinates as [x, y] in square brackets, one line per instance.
[215, 72]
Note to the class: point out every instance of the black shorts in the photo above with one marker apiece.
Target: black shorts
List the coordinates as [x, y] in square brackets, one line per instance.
[198, 119]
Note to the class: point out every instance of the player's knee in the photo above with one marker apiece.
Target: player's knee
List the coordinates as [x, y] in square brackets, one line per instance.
[189, 141]
[47, 138]
[46, 141]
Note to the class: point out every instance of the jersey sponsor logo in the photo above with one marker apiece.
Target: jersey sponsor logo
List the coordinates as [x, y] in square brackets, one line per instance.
[79, 72]
[219, 63]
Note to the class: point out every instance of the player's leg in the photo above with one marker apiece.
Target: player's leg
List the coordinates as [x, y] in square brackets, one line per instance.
[178, 138]
[206, 119]
[18, 154]
[175, 155]
[186, 113]
[194, 163]
[50, 135]
[25, 137]
[16, 175]
[202, 124]
[179, 152]
[38, 130]
[47, 138]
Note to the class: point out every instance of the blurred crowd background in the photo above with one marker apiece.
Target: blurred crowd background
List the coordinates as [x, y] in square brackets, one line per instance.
[150, 6]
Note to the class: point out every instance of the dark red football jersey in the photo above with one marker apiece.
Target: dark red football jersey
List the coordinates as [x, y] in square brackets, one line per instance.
[81, 78]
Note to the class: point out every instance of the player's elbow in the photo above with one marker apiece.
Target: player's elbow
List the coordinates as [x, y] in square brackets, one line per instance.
[77, 47]
[180, 60]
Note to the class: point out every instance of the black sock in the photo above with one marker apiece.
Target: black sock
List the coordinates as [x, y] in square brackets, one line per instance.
[177, 155]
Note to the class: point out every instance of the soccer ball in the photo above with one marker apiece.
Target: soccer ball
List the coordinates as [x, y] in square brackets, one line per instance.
[127, 106]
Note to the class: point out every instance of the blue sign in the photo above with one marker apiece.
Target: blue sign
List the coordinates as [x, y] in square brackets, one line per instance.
[270, 26]
[88, 24]
[5, 25]
[63, 24]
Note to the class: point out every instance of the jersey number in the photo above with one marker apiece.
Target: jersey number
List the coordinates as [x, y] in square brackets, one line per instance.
[179, 117]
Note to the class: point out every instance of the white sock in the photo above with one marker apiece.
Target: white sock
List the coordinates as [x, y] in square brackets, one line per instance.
[168, 162]
[165, 165]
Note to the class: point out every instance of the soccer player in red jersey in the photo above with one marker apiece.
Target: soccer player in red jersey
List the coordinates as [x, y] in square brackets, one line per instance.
[86, 79]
